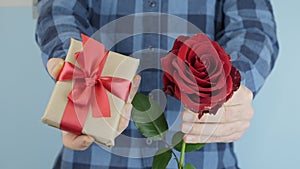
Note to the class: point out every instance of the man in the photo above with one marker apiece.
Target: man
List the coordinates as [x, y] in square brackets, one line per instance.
[246, 29]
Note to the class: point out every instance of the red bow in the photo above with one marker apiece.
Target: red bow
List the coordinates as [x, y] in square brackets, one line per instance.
[89, 88]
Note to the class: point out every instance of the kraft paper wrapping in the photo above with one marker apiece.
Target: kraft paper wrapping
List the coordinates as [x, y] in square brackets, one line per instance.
[104, 130]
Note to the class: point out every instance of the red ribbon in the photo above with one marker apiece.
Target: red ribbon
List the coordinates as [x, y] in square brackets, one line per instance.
[89, 88]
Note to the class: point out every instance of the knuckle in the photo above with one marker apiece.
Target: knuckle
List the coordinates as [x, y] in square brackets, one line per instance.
[249, 94]
[237, 137]
[251, 113]
[239, 127]
[231, 130]
[243, 127]
[246, 125]
[188, 128]
[246, 92]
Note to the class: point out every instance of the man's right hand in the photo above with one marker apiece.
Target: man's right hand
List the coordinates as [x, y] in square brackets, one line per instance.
[82, 142]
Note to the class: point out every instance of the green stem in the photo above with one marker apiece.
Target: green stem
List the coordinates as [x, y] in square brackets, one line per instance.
[182, 155]
[170, 147]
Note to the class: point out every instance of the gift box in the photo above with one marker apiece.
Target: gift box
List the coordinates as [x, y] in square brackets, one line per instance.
[91, 91]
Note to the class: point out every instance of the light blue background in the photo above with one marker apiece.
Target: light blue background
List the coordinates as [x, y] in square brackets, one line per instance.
[272, 142]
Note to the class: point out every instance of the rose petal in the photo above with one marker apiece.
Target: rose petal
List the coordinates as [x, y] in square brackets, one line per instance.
[201, 75]
[184, 85]
[223, 56]
[178, 42]
[184, 74]
[165, 61]
[236, 78]
[177, 92]
[184, 51]
[168, 84]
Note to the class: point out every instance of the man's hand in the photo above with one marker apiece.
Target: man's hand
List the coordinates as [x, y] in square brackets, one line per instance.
[228, 125]
[82, 142]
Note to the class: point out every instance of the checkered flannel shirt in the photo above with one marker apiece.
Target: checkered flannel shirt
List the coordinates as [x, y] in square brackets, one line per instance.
[245, 28]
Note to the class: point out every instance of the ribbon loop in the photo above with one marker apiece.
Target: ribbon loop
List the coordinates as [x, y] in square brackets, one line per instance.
[89, 89]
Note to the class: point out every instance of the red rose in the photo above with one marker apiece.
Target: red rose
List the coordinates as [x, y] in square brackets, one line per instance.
[199, 73]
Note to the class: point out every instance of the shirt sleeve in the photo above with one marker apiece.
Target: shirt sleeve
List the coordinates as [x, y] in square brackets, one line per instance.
[249, 36]
[59, 21]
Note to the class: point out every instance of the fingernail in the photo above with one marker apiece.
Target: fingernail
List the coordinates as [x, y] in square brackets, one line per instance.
[188, 117]
[186, 128]
[85, 143]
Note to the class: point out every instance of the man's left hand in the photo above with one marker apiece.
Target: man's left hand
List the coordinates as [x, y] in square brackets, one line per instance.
[228, 125]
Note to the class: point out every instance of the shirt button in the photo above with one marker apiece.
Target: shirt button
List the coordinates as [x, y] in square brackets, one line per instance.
[150, 47]
[148, 141]
[152, 4]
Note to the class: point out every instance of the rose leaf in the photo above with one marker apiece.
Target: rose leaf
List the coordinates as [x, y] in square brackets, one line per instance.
[162, 158]
[177, 142]
[148, 117]
[189, 166]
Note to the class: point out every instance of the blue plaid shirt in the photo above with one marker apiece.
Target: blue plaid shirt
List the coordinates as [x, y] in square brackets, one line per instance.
[246, 29]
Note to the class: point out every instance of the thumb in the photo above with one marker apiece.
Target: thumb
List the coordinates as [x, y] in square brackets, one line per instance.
[76, 142]
[54, 65]
[134, 88]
